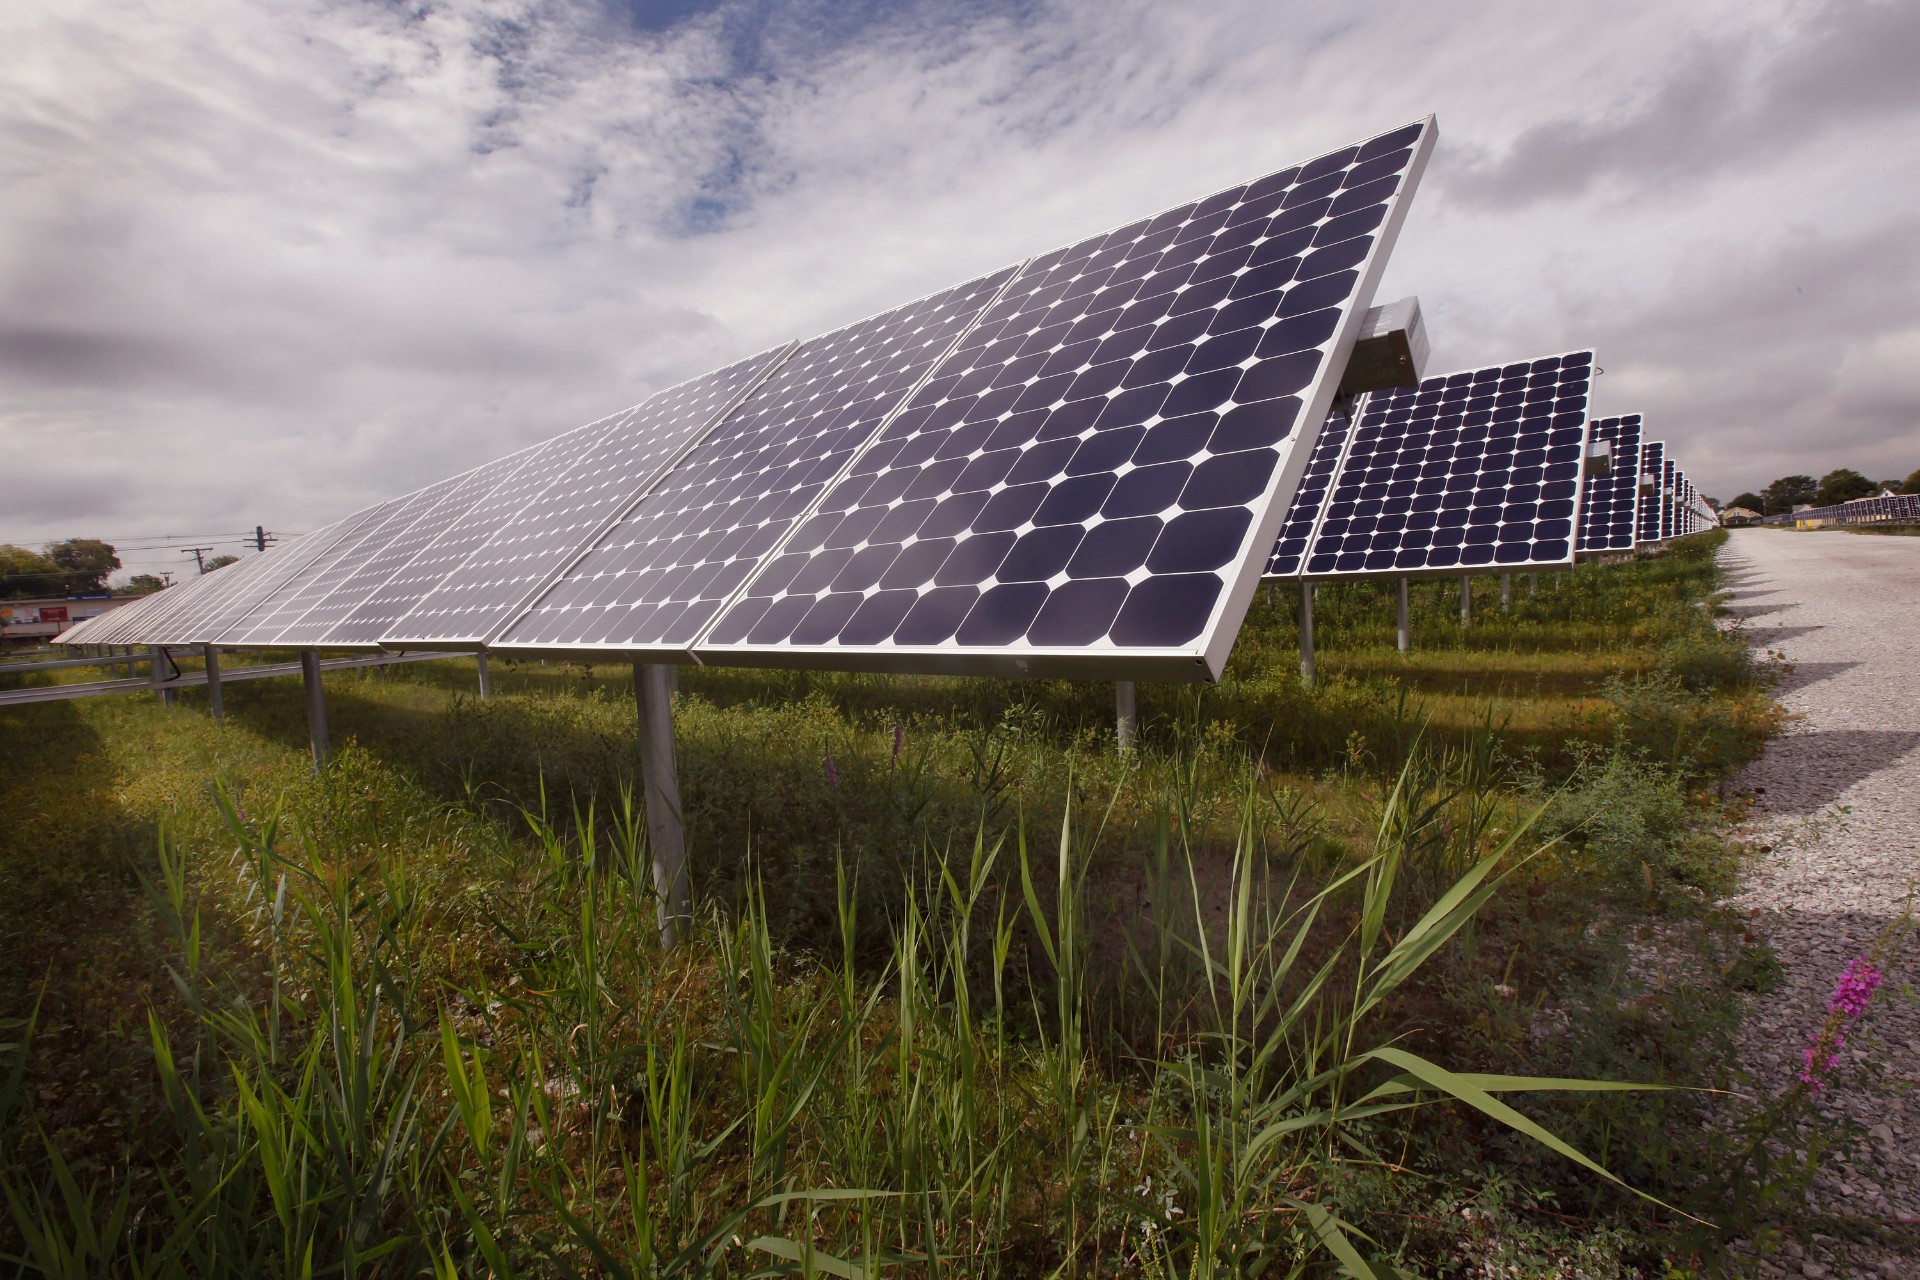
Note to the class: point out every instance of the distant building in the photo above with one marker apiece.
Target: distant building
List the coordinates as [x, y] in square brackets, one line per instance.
[1734, 517]
[47, 616]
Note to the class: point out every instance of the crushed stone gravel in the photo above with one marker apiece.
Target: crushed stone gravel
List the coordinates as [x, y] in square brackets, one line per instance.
[1837, 802]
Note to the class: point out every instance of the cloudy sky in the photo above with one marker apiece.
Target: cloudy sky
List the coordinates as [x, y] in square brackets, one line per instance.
[268, 262]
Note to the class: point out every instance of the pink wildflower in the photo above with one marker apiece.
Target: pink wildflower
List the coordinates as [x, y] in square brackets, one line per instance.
[1854, 991]
[899, 740]
[833, 774]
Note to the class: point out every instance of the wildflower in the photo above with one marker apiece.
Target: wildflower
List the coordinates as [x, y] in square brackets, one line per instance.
[833, 774]
[899, 740]
[1854, 991]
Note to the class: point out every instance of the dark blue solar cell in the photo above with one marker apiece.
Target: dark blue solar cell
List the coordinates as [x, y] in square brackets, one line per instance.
[1002, 614]
[1078, 613]
[1115, 548]
[936, 616]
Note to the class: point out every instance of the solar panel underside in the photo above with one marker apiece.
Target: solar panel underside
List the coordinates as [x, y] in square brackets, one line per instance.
[1092, 480]
[1472, 470]
[1303, 513]
[581, 488]
[1647, 518]
[658, 576]
[1608, 503]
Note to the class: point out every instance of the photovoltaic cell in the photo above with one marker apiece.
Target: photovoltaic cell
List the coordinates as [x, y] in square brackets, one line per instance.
[1608, 503]
[1303, 513]
[1652, 471]
[1667, 489]
[1479, 469]
[658, 576]
[1101, 463]
[589, 484]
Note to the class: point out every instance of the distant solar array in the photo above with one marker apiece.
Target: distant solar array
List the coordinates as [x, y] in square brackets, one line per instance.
[1611, 497]
[1472, 471]
[1076, 465]
[1876, 510]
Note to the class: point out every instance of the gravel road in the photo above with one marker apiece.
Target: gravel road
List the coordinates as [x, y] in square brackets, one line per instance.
[1839, 800]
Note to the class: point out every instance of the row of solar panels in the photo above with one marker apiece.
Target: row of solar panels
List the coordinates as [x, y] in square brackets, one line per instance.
[1487, 470]
[1080, 465]
[1878, 510]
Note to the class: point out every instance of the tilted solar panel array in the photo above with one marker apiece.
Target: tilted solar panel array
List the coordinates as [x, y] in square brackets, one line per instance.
[1653, 455]
[557, 509]
[1085, 457]
[1667, 492]
[1472, 470]
[1303, 513]
[1609, 503]
[656, 578]
[1100, 461]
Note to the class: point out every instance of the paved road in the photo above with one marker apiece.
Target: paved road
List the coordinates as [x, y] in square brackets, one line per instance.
[1843, 785]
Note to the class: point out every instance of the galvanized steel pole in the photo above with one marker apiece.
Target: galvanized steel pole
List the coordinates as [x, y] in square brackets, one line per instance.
[216, 702]
[1405, 637]
[1306, 634]
[1125, 721]
[316, 707]
[653, 699]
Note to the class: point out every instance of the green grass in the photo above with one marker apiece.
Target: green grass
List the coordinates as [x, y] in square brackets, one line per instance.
[970, 993]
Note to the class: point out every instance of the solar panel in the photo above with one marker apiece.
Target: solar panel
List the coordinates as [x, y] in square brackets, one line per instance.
[289, 559]
[1099, 470]
[261, 625]
[518, 540]
[343, 584]
[1472, 470]
[1652, 470]
[180, 625]
[393, 580]
[1609, 502]
[1666, 497]
[658, 576]
[1303, 513]
[109, 627]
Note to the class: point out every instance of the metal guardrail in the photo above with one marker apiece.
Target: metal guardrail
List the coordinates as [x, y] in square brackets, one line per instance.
[192, 679]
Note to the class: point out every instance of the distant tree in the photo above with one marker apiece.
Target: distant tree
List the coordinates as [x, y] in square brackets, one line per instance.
[87, 561]
[1786, 492]
[1751, 501]
[1843, 485]
[1912, 485]
[219, 562]
[145, 584]
[25, 573]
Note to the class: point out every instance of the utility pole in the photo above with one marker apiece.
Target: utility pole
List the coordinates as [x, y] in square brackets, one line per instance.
[199, 555]
[261, 538]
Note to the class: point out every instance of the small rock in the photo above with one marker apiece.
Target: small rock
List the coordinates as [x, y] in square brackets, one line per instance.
[1881, 1133]
[1813, 1270]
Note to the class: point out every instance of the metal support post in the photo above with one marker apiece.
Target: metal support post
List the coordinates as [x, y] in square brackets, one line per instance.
[316, 706]
[486, 683]
[1556, 581]
[1466, 599]
[1533, 585]
[160, 669]
[1126, 722]
[653, 698]
[1306, 634]
[1405, 637]
[1506, 593]
[216, 701]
